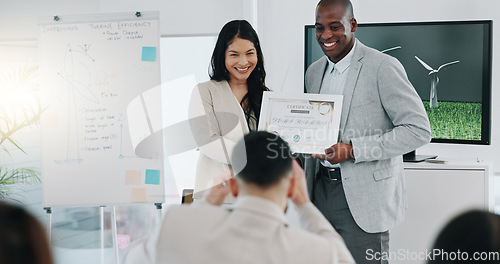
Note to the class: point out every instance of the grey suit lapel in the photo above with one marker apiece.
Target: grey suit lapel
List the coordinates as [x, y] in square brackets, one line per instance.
[350, 84]
[317, 77]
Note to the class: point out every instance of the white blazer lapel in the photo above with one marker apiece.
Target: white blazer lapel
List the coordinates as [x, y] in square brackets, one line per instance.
[235, 108]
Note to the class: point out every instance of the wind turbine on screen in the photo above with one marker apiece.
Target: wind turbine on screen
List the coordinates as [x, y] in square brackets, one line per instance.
[434, 80]
[390, 49]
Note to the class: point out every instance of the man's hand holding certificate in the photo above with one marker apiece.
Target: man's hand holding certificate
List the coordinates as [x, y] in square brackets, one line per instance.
[308, 122]
[337, 153]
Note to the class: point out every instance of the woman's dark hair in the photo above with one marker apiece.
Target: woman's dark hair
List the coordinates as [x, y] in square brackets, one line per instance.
[471, 232]
[256, 81]
[22, 237]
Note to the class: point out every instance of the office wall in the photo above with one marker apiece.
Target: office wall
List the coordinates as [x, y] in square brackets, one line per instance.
[19, 19]
[280, 26]
[282, 36]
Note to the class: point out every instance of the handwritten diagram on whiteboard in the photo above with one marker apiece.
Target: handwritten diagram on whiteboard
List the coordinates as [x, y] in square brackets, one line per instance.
[91, 68]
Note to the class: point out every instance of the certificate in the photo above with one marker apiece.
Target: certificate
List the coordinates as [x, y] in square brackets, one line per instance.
[308, 122]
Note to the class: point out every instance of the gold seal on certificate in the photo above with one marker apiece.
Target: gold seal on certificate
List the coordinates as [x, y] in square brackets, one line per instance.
[308, 122]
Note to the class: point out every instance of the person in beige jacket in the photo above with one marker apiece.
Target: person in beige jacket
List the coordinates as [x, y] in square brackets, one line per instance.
[227, 107]
[253, 229]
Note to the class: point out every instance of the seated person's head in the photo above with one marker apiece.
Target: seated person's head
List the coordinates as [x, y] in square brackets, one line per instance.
[22, 238]
[262, 163]
[470, 232]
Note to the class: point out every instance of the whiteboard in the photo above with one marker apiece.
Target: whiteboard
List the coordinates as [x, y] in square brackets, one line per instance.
[91, 68]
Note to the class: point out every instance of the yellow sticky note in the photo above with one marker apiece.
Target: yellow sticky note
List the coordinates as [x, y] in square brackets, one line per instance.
[132, 177]
[138, 195]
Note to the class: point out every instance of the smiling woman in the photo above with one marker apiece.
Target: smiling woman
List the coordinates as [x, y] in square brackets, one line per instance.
[229, 102]
[241, 59]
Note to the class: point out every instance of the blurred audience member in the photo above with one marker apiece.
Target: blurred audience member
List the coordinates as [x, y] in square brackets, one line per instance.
[23, 240]
[471, 237]
[253, 229]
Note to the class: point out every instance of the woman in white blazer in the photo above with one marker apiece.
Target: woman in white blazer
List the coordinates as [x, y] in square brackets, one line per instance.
[227, 107]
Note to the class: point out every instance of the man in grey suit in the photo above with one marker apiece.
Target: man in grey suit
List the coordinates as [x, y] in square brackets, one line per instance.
[358, 184]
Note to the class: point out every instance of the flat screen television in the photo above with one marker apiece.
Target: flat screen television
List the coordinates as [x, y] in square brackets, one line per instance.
[457, 97]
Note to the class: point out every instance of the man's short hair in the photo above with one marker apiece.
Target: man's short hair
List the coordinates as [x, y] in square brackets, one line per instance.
[268, 158]
[349, 12]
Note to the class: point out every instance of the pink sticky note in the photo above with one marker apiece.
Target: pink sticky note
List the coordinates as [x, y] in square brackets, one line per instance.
[123, 241]
[138, 195]
[132, 177]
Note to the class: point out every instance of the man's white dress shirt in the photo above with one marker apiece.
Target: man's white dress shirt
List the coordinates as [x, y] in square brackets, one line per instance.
[334, 82]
